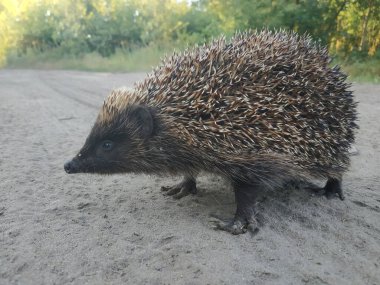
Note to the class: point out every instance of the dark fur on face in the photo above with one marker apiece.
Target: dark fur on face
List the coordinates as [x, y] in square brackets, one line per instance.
[118, 145]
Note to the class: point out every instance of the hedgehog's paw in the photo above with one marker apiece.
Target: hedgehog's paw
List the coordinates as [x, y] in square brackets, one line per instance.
[239, 225]
[332, 189]
[186, 187]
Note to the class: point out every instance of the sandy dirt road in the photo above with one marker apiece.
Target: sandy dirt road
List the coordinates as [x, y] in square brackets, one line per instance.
[86, 229]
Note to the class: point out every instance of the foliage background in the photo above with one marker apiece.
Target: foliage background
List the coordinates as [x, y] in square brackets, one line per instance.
[126, 35]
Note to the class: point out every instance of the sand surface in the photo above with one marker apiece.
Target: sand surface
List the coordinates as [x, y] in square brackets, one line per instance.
[87, 229]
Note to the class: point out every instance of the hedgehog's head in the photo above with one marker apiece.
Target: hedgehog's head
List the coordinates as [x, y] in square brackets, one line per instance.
[119, 140]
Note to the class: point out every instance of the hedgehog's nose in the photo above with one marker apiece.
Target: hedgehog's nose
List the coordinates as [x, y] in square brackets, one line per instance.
[70, 166]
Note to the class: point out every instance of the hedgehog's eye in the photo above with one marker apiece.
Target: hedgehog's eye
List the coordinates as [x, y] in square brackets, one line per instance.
[107, 145]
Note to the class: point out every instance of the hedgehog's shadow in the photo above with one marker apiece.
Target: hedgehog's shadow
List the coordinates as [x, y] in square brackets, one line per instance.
[295, 202]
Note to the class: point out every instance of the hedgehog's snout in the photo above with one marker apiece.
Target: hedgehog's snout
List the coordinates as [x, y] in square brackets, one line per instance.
[71, 166]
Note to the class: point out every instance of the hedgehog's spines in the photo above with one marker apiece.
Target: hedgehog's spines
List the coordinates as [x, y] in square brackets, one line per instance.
[257, 93]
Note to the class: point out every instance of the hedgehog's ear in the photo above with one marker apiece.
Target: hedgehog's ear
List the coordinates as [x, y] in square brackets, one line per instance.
[144, 120]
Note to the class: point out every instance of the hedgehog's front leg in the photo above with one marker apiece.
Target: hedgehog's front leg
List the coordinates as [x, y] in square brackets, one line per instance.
[245, 216]
[186, 187]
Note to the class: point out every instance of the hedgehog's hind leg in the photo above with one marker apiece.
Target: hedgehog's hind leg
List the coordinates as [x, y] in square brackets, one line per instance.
[245, 216]
[186, 187]
[333, 187]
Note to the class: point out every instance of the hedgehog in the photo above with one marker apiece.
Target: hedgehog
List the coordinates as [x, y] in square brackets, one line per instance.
[259, 110]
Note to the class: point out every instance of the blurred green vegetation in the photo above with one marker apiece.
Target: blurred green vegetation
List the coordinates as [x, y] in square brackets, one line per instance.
[141, 59]
[130, 35]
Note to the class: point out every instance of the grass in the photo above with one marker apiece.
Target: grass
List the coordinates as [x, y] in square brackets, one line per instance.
[367, 70]
[143, 59]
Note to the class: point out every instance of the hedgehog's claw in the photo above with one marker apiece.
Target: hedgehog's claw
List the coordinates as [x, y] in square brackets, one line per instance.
[185, 188]
[237, 226]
